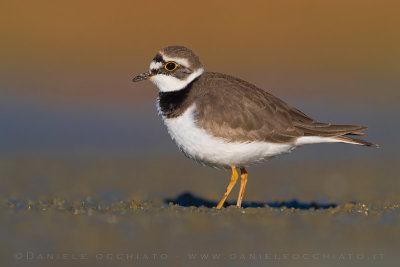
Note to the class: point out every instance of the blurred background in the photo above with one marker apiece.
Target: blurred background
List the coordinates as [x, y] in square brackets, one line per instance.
[66, 95]
[74, 126]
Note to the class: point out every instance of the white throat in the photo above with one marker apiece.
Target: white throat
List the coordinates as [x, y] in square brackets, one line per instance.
[168, 83]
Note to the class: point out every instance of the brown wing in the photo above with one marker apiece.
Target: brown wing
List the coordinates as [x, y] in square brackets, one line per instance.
[242, 112]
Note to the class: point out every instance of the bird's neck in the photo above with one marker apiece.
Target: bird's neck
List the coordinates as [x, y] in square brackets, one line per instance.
[173, 104]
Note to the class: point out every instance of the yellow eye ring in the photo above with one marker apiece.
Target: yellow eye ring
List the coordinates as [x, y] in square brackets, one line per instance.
[170, 66]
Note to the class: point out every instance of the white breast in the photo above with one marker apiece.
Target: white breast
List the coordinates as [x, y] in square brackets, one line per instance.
[203, 147]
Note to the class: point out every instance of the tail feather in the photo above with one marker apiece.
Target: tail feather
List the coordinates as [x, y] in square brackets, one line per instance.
[339, 132]
[352, 140]
[330, 130]
[357, 133]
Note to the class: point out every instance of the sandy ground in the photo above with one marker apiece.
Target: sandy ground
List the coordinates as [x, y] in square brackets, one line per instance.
[90, 212]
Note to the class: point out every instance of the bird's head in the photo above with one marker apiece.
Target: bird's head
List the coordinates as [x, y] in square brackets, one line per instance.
[173, 68]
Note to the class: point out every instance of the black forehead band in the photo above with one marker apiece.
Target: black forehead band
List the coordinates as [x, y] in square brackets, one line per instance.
[158, 58]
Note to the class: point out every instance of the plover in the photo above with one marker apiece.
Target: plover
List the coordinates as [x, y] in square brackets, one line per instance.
[225, 122]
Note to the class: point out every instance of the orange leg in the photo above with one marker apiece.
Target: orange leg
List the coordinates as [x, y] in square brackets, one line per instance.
[234, 178]
[243, 182]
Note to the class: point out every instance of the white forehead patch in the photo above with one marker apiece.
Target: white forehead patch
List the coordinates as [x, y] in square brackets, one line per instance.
[155, 65]
[181, 61]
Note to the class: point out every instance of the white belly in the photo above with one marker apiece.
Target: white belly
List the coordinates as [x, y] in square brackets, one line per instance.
[203, 147]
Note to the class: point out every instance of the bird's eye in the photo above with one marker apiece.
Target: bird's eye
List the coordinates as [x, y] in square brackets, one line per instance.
[170, 66]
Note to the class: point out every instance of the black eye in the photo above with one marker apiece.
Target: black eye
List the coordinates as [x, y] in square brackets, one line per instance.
[170, 66]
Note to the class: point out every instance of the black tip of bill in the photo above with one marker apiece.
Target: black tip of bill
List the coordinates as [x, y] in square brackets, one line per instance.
[141, 77]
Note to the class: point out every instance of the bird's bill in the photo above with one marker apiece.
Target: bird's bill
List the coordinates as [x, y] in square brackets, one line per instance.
[142, 77]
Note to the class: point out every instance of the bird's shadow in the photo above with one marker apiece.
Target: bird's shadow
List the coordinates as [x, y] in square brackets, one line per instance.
[187, 199]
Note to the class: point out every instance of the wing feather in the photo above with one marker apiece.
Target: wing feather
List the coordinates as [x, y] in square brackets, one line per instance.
[236, 110]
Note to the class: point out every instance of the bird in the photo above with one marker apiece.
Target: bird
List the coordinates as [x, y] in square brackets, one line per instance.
[225, 122]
